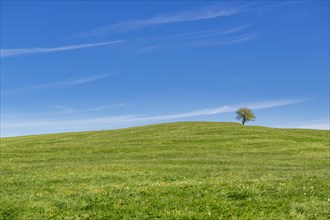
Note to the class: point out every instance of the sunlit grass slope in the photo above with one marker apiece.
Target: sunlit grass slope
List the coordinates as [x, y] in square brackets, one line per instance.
[191, 170]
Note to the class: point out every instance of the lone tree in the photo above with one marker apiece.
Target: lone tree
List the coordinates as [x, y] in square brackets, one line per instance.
[245, 115]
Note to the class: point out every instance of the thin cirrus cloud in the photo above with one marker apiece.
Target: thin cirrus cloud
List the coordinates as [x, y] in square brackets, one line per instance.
[210, 12]
[209, 37]
[27, 51]
[206, 13]
[225, 109]
[225, 41]
[69, 82]
[62, 84]
[196, 43]
[89, 123]
[64, 110]
[209, 33]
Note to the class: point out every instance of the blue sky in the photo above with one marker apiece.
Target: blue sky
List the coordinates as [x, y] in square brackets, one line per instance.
[91, 65]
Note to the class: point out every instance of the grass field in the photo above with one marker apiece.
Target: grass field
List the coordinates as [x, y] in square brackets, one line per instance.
[191, 170]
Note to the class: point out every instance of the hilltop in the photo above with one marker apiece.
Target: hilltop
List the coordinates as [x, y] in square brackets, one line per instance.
[202, 170]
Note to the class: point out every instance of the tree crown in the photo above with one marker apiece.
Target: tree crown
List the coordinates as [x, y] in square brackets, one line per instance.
[245, 115]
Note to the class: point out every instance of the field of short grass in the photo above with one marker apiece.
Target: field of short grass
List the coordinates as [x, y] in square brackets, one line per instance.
[191, 170]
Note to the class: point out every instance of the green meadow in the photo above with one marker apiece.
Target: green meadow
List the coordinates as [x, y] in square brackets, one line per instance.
[187, 170]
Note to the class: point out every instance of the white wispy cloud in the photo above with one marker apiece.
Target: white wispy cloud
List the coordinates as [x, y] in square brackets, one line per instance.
[26, 51]
[134, 119]
[69, 110]
[210, 12]
[273, 104]
[70, 82]
[210, 37]
[224, 109]
[61, 84]
[220, 9]
[221, 41]
[206, 33]
[61, 112]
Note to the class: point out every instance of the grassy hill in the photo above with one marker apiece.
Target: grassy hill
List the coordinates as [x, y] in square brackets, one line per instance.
[200, 170]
